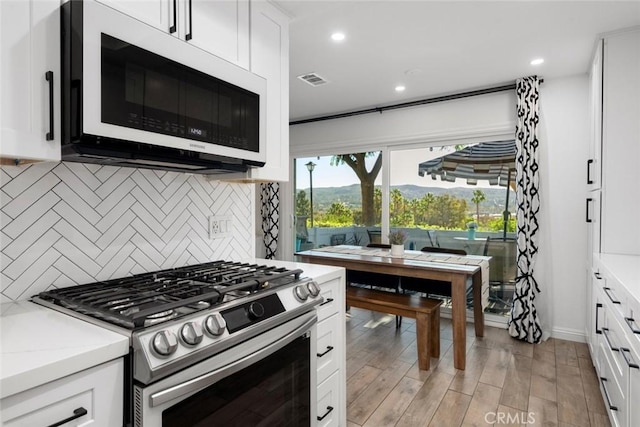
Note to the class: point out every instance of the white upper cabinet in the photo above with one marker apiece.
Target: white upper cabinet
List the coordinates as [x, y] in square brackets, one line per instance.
[29, 80]
[270, 59]
[220, 27]
[621, 143]
[594, 163]
[161, 14]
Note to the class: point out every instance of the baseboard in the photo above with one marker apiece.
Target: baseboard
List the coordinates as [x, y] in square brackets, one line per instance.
[575, 335]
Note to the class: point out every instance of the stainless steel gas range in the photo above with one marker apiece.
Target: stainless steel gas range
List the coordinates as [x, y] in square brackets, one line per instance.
[220, 343]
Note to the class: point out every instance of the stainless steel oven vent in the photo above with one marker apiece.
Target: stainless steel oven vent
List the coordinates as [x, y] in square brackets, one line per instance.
[137, 407]
[313, 79]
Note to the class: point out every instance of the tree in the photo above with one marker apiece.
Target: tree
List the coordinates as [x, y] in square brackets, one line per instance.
[478, 197]
[367, 179]
[339, 213]
[303, 206]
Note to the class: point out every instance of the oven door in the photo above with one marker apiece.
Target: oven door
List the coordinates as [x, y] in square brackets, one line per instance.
[267, 380]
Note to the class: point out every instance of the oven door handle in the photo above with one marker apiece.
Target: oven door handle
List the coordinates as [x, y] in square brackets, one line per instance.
[212, 377]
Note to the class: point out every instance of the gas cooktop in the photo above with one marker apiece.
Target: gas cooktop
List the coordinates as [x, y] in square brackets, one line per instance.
[146, 299]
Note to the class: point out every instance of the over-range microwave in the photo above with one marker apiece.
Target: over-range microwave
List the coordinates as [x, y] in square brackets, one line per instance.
[135, 96]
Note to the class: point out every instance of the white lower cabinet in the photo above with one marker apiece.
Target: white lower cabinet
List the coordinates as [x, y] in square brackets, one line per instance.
[95, 392]
[617, 339]
[331, 355]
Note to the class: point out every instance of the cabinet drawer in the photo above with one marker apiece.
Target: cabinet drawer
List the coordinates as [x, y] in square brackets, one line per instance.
[631, 319]
[614, 340]
[331, 292]
[97, 390]
[328, 350]
[328, 409]
[613, 397]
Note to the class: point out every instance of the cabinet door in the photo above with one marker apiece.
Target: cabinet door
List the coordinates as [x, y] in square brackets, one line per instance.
[593, 208]
[621, 144]
[160, 14]
[634, 391]
[594, 163]
[270, 59]
[219, 27]
[30, 79]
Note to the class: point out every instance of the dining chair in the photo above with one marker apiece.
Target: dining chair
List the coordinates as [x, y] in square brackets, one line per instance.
[375, 280]
[437, 288]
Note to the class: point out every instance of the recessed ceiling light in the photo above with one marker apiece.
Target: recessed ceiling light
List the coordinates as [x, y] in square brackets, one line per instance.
[337, 37]
[537, 61]
[400, 88]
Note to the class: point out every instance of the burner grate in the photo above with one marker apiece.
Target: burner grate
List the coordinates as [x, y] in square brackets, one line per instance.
[147, 298]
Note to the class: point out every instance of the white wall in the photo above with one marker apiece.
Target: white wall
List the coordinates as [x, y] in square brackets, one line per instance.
[563, 152]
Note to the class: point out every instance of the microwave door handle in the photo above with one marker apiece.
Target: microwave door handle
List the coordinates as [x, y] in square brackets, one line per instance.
[172, 29]
[213, 377]
[190, 33]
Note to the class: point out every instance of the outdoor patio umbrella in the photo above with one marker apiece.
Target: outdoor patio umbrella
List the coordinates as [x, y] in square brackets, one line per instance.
[491, 161]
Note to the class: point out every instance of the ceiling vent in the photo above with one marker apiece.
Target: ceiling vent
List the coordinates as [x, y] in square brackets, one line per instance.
[313, 79]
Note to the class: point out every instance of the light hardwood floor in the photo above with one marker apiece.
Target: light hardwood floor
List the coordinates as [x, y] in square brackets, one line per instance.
[507, 382]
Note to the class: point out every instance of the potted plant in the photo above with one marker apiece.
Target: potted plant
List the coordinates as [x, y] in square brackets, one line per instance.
[471, 230]
[397, 239]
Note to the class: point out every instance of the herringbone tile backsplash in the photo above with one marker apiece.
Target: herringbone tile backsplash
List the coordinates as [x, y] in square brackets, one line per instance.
[69, 223]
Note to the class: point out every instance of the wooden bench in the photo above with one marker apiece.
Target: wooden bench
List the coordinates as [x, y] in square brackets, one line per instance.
[426, 311]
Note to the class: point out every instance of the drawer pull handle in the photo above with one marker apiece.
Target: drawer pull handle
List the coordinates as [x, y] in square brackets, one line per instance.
[598, 307]
[329, 348]
[77, 413]
[607, 291]
[597, 275]
[630, 322]
[606, 337]
[588, 219]
[606, 394]
[630, 362]
[328, 300]
[589, 163]
[329, 409]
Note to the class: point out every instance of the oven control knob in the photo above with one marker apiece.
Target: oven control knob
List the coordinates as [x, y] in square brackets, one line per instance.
[313, 288]
[256, 310]
[215, 324]
[190, 334]
[164, 343]
[301, 293]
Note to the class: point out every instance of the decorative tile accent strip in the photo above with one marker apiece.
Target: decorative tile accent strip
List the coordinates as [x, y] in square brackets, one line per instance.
[63, 224]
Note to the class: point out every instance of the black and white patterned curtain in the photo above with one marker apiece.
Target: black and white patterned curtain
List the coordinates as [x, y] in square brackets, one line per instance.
[270, 212]
[524, 323]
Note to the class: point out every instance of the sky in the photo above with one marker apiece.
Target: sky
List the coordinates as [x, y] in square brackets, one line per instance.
[404, 170]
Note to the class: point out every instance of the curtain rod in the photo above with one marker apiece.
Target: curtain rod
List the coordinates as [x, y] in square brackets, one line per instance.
[424, 101]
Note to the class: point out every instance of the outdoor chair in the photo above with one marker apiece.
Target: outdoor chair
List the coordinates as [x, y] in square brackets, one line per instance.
[338, 239]
[375, 280]
[375, 236]
[503, 270]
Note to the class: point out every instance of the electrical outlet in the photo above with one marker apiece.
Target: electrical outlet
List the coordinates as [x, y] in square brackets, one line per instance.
[219, 226]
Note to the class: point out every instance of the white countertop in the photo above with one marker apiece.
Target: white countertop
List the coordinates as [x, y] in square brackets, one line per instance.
[625, 269]
[39, 345]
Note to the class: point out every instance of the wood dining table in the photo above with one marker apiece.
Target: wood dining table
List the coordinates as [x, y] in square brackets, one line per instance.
[454, 269]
